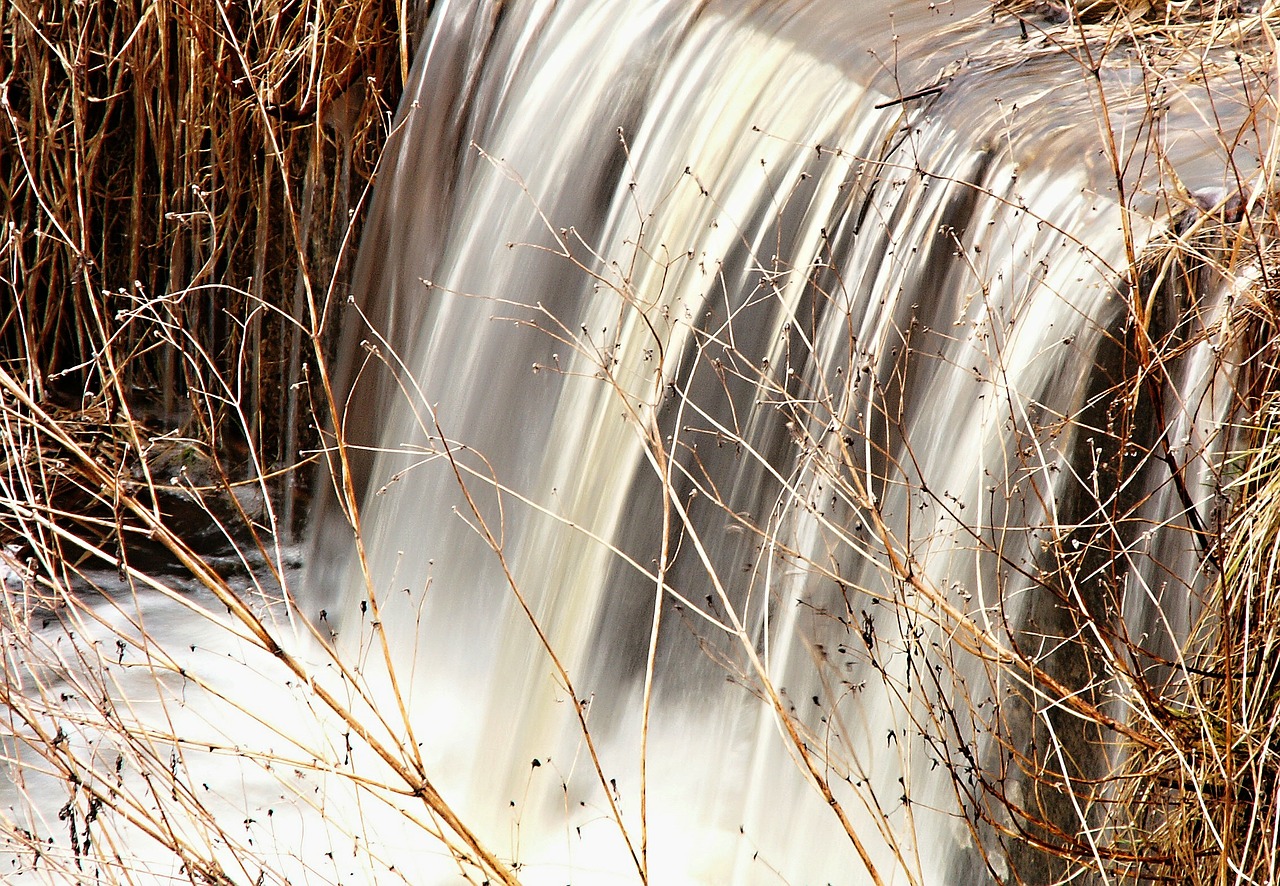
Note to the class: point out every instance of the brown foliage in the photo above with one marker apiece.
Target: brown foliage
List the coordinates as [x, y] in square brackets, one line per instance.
[200, 160]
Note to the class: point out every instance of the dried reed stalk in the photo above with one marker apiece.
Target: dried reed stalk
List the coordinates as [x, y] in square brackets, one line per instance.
[207, 155]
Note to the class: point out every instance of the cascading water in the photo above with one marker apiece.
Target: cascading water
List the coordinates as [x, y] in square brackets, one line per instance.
[783, 435]
[810, 322]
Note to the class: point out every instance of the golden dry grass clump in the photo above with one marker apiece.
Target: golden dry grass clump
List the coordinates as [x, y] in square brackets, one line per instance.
[1198, 803]
[1134, 11]
[174, 171]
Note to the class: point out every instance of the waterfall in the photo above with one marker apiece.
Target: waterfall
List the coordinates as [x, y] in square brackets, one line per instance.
[781, 351]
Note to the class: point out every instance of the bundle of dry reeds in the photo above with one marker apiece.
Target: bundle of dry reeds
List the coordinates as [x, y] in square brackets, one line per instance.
[1145, 13]
[1197, 802]
[187, 166]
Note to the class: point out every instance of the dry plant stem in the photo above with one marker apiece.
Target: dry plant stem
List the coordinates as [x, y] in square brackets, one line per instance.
[811, 766]
[413, 775]
[1148, 367]
[667, 459]
[134, 810]
[314, 330]
[650, 667]
[905, 570]
[901, 566]
[495, 545]
[652, 451]
[60, 194]
[139, 105]
[416, 395]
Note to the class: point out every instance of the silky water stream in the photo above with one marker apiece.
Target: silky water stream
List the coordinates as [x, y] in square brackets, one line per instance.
[736, 385]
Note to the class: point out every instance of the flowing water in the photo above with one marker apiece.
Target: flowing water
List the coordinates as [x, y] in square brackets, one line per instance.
[763, 360]
[698, 265]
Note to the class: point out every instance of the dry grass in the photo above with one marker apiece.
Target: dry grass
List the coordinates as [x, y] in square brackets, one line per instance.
[189, 163]
[1199, 803]
[1151, 14]
[175, 179]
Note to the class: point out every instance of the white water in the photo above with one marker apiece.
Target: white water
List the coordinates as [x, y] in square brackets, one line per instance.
[933, 282]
